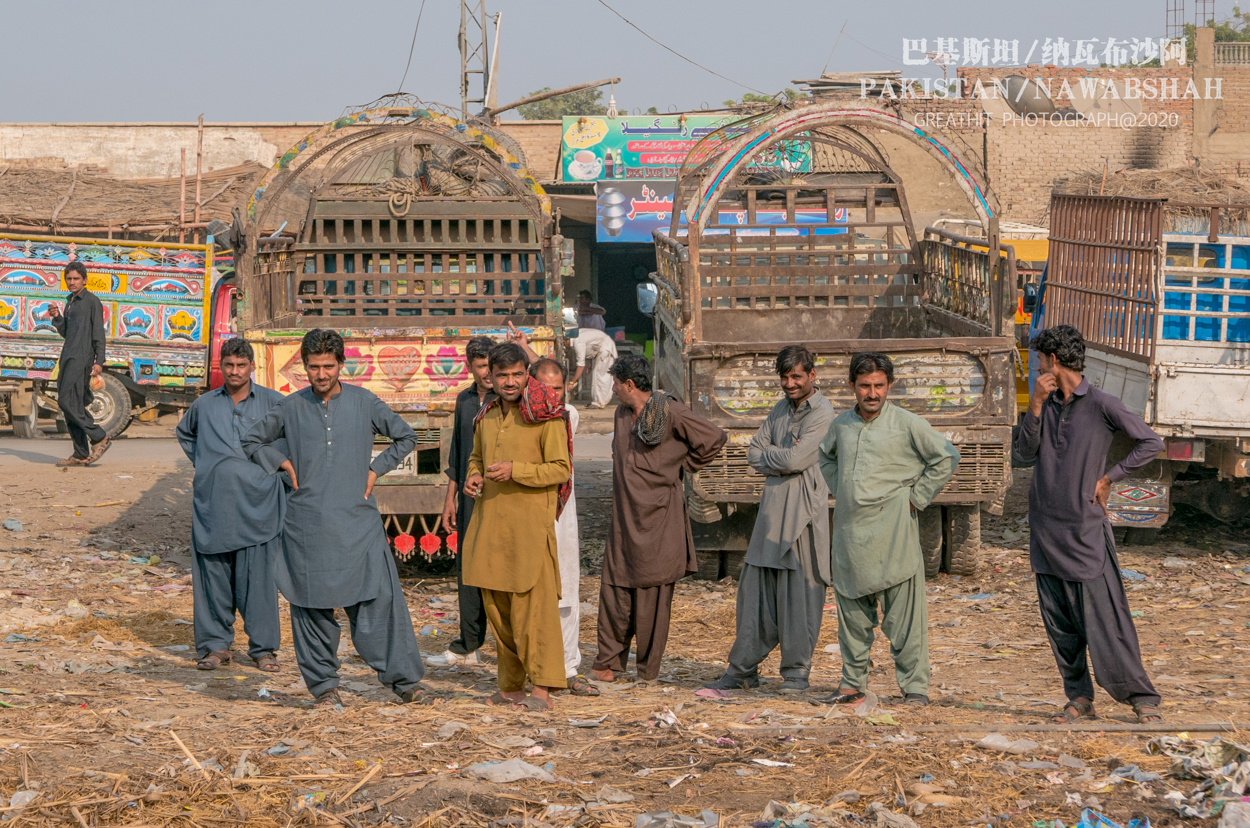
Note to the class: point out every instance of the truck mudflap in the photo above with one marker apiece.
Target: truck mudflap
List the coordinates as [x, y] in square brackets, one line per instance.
[983, 476]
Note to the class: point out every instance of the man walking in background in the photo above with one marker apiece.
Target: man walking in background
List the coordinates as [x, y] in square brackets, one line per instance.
[592, 343]
[781, 592]
[237, 514]
[1068, 429]
[458, 508]
[656, 441]
[884, 465]
[335, 552]
[516, 470]
[81, 325]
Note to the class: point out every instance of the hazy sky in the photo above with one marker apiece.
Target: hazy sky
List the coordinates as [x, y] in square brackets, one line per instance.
[279, 60]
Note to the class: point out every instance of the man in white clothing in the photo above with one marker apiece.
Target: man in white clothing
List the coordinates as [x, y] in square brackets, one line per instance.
[595, 344]
[568, 547]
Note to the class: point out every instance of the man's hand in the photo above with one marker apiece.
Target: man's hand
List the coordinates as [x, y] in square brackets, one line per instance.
[54, 311]
[473, 486]
[499, 472]
[1043, 387]
[289, 468]
[1102, 493]
[518, 336]
[449, 517]
[369, 481]
[96, 370]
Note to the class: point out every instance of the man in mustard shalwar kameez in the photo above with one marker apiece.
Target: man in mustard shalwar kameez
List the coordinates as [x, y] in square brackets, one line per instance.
[510, 554]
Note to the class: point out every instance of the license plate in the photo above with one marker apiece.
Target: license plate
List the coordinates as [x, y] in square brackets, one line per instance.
[406, 468]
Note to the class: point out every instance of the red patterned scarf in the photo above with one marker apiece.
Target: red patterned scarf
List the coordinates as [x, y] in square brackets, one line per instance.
[540, 403]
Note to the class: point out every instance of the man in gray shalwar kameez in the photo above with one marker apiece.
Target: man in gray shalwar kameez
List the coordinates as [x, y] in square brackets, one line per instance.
[236, 519]
[335, 552]
[781, 592]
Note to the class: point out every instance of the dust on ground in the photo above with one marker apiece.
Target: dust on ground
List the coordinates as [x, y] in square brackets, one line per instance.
[104, 711]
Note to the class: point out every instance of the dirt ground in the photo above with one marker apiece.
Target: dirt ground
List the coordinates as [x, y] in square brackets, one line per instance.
[103, 709]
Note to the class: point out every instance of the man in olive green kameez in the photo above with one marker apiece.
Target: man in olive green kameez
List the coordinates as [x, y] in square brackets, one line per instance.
[884, 465]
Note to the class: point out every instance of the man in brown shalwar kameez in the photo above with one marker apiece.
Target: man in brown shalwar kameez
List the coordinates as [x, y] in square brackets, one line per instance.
[649, 546]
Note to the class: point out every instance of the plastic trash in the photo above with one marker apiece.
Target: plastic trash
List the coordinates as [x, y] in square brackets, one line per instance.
[1000, 743]
[1038, 766]
[668, 819]
[311, 800]
[1132, 773]
[1235, 815]
[509, 771]
[449, 730]
[1067, 761]
[1092, 819]
[613, 796]
[13, 525]
[1132, 575]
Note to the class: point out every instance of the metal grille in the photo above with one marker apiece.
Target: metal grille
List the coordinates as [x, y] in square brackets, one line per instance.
[958, 280]
[983, 467]
[1103, 268]
[275, 264]
[448, 266]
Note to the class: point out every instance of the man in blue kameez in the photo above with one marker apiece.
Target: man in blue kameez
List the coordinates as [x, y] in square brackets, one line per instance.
[334, 551]
[236, 519]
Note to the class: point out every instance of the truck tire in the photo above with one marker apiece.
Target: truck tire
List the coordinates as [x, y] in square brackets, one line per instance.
[26, 426]
[111, 406]
[963, 540]
[931, 540]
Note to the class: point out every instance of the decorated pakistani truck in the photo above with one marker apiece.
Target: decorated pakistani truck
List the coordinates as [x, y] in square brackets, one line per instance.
[164, 317]
[844, 270]
[410, 233]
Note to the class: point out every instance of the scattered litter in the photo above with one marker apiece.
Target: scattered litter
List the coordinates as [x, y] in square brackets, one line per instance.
[881, 720]
[309, 801]
[1224, 765]
[1067, 761]
[507, 742]
[665, 718]
[1235, 815]
[1132, 773]
[1093, 819]
[980, 596]
[1000, 743]
[588, 722]
[13, 525]
[449, 730]
[712, 693]
[509, 771]
[668, 819]
[613, 796]
[1007, 768]
[1038, 766]
[176, 648]
[1173, 562]
[772, 763]
[888, 819]
[866, 705]
[902, 738]
[1131, 575]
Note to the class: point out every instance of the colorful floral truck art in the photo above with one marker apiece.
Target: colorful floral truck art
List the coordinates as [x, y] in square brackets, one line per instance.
[159, 326]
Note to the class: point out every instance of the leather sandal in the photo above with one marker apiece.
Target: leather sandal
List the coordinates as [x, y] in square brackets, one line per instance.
[213, 660]
[581, 686]
[97, 451]
[1147, 713]
[1075, 710]
[267, 663]
[69, 462]
[532, 704]
[417, 695]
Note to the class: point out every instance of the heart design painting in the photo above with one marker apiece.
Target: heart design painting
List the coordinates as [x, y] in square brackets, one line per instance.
[445, 368]
[399, 364]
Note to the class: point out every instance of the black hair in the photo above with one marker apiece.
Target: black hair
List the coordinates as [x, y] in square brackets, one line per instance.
[549, 364]
[635, 368]
[1064, 343]
[870, 362]
[507, 354]
[238, 348]
[75, 267]
[582, 293]
[795, 356]
[478, 348]
[322, 341]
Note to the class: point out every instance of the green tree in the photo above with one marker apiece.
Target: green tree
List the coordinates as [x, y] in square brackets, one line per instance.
[651, 110]
[583, 102]
[1235, 29]
[753, 98]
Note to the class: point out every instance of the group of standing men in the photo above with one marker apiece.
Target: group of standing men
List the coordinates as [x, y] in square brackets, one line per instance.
[283, 502]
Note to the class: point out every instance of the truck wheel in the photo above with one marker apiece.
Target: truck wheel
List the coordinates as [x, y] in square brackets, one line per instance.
[1141, 536]
[26, 426]
[709, 561]
[963, 540]
[110, 407]
[931, 540]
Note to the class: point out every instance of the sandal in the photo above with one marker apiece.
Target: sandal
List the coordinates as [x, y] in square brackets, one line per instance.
[213, 660]
[1147, 713]
[71, 461]
[268, 663]
[417, 695]
[581, 686]
[497, 699]
[329, 698]
[842, 698]
[532, 704]
[97, 451]
[1074, 710]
